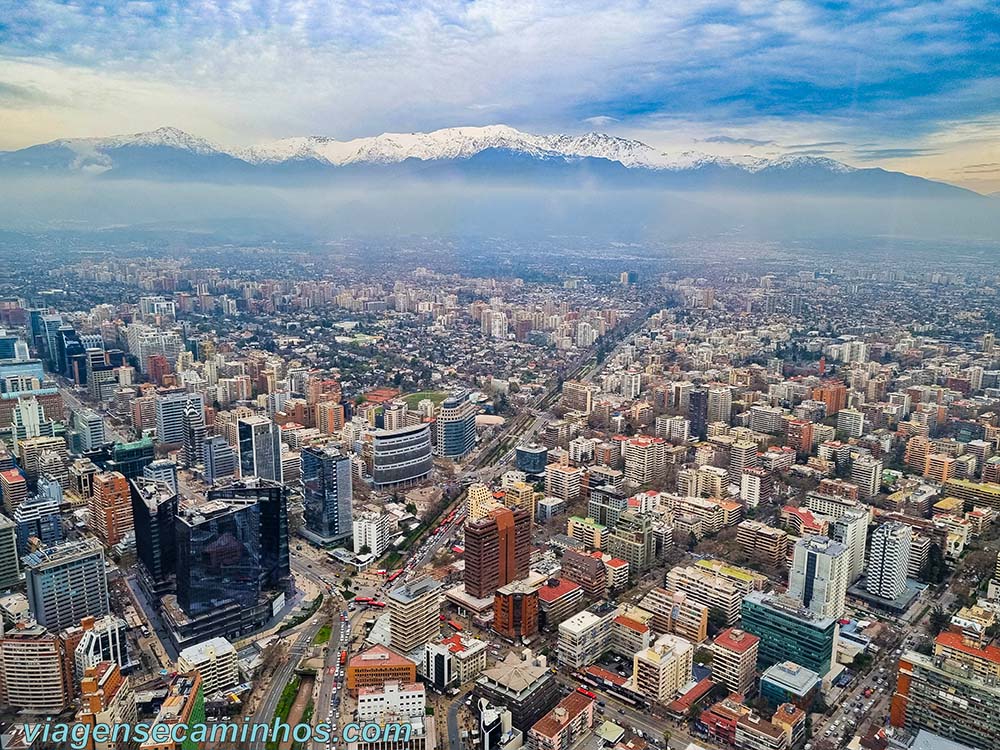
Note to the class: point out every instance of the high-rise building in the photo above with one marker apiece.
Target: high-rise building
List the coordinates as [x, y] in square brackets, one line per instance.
[850, 424]
[106, 699]
[799, 436]
[660, 671]
[497, 550]
[523, 684]
[193, 441]
[789, 632]
[130, 459]
[866, 473]
[480, 501]
[170, 407]
[947, 698]
[232, 561]
[96, 640]
[184, 704]
[10, 569]
[632, 541]
[578, 396]
[260, 448]
[889, 560]
[833, 395]
[39, 518]
[586, 571]
[154, 509]
[13, 489]
[762, 542]
[111, 508]
[585, 636]
[676, 613]
[89, 428]
[327, 495]
[708, 588]
[818, 576]
[67, 583]
[742, 457]
[35, 675]
[401, 456]
[563, 481]
[515, 610]
[376, 666]
[370, 532]
[851, 530]
[161, 470]
[698, 411]
[734, 660]
[720, 404]
[219, 459]
[456, 426]
[216, 662]
[531, 458]
[414, 610]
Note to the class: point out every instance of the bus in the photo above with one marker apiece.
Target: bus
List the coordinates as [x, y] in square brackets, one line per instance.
[377, 604]
[395, 575]
[455, 625]
[363, 599]
[343, 657]
[584, 691]
[381, 572]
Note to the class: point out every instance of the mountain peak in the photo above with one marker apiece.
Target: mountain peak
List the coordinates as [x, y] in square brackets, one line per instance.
[484, 152]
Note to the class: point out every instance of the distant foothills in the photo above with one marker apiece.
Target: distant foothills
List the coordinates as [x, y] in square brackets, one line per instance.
[491, 155]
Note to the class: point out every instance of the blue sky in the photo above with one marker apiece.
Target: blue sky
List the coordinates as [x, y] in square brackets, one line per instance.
[907, 84]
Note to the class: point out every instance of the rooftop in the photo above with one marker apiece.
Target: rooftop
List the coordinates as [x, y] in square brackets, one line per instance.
[734, 639]
[788, 674]
[568, 709]
[379, 656]
[956, 642]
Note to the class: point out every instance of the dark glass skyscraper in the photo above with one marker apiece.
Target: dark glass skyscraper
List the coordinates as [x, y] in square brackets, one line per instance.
[327, 495]
[272, 499]
[220, 556]
[698, 412]
[154, 509]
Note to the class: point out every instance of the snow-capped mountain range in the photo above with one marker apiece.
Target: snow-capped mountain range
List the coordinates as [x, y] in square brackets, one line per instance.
[495, 152]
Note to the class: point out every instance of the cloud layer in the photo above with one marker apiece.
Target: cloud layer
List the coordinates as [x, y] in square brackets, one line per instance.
[904, 82]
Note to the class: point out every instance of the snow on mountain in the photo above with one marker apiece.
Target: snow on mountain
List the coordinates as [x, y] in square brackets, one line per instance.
[462, 143]
[98, 154]
[161, 137]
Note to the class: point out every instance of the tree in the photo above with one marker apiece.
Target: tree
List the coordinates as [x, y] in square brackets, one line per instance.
[717, 618]
[692, 541]
[411, 508]
[939, 620]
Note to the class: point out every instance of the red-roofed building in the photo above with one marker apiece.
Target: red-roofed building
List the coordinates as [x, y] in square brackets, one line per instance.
[558, 599]
[983, 661]
[734, 659]
[720, 719]
[801, 521]
[629, 636]
[563, 725]
[381, 395]
[457, 658]
[376, 665]
[681, 707]
[792, 720]
[617, 573]
[13, 490]
[609, 678]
